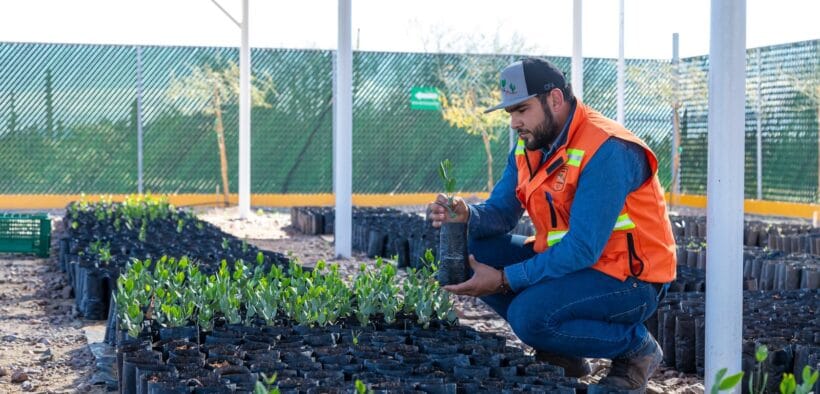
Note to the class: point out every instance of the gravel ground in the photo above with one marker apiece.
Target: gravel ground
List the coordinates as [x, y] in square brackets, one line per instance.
[43, 346]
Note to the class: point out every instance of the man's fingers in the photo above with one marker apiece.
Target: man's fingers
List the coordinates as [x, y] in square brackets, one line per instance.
[461, 288]
[473, 262]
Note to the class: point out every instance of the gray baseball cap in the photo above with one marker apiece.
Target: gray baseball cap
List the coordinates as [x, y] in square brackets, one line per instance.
[528, 78]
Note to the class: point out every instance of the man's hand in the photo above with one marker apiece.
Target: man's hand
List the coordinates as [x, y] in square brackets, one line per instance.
[438, 214]
[485, 281]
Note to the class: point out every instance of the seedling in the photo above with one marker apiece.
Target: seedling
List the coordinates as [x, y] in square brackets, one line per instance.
[445, 172]
[265, 386]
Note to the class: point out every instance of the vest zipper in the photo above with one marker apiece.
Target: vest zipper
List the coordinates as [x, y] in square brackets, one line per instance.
[553, 218]
[529, 167]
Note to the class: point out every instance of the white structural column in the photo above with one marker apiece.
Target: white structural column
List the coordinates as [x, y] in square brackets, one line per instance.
[244, 118]
[343, 134]
[621, 67]
[724, 268]
[675, 187]
[577, 57]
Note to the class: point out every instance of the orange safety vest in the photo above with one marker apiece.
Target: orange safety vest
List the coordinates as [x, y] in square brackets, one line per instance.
[641, 244]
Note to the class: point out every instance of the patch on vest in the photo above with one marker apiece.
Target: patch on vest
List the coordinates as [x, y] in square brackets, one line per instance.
[560, 179]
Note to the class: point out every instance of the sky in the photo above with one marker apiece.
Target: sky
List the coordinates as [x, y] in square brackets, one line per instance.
[544, 26]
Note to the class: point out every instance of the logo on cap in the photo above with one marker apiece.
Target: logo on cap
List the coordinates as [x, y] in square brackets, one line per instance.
[507, 90]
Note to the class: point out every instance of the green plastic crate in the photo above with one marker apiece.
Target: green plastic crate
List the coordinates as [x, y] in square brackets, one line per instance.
[25, 233]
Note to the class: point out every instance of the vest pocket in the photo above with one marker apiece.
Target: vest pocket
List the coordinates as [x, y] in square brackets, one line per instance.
[553, 216]
[636, 265]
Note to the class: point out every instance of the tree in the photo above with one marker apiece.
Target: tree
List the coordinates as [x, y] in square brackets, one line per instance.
[471, 85]
[217, 82]
[664, 84]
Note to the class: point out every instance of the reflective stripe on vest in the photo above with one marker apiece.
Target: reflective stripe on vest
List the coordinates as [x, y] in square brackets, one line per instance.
[574, 157]
[624, 223]
[554, 236]
[519, 149]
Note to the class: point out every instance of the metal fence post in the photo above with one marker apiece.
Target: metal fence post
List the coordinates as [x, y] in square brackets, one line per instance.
[139, 120]
[759, 133]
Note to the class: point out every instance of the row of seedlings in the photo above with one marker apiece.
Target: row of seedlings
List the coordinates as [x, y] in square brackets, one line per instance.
[102, 236]
[184, 331]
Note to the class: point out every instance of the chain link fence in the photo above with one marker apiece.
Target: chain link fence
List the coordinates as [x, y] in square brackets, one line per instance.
[69, 120]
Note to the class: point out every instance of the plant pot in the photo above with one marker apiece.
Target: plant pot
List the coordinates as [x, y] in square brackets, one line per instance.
[237, 375]
[215, 363]
[325, 377]
[142, 371]
[181, 348]
[471, 372]
[128, 379]
[438, 388]
[452, 254]
[167, 387]
[186, 332]
[222, 350]
[262, 356]
[447, 362]
[685, 343]
[197, 360]
[130, 346]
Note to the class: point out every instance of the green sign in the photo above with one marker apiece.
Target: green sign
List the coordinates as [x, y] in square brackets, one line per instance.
[425, 98]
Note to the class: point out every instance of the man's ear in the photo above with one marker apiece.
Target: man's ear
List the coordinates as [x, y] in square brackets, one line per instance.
[557, 97]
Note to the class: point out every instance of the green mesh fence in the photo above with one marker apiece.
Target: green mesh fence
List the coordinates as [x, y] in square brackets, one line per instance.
[68, 121]
[783, 91]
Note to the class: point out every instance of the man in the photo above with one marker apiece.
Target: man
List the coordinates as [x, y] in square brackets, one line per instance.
[603, 250]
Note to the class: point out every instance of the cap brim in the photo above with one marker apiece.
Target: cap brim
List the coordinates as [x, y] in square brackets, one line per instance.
[509, 103]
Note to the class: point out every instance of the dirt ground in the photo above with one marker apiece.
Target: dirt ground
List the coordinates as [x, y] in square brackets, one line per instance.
[44, 346]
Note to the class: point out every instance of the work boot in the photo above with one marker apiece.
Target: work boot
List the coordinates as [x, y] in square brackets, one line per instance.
[629, 375]
[574, 367]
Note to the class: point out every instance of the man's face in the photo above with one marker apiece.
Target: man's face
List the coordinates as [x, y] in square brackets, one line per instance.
[535, 123]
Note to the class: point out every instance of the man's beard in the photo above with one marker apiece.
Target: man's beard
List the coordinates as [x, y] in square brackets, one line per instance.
[545, 133]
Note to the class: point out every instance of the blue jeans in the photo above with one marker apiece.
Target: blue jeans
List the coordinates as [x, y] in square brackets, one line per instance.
[586, 313]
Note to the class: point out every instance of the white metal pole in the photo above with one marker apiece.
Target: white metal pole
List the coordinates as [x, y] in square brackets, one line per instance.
[759, 133]
[139, 121]
[244, 118]
[724, 215]
[676, 128]
[577, 58]
[621, 67]
[343, 136]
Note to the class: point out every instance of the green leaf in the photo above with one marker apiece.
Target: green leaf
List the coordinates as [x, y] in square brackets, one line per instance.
[718, 378]
[788, 384]
[808, 376]
[730, 381]
[360, 387]
[762, 353]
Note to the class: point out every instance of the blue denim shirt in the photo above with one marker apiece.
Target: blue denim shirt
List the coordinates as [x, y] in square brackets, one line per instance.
[616, 169]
